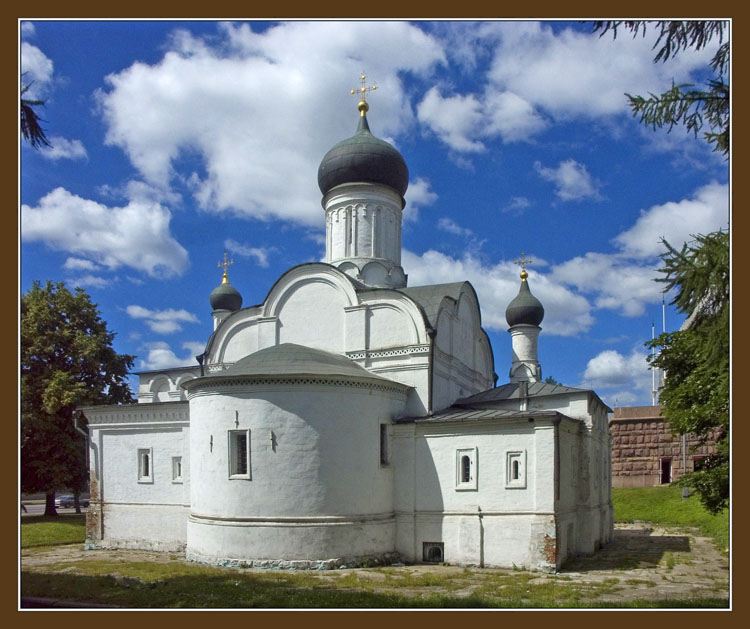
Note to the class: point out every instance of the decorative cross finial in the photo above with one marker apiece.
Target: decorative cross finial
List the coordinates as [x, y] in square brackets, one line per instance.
[225, 264]
[362, 92]
[522, 262]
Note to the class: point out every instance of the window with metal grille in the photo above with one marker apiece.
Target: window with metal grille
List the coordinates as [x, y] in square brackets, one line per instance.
[239, 454]
[145, 466]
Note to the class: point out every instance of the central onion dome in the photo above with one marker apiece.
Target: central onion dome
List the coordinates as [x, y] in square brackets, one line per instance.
[525, 308]
[363, 158]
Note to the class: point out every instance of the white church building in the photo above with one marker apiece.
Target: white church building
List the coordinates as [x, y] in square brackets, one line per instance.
[350, 419]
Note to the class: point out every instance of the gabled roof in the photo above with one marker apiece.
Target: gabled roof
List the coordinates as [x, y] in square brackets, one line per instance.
[430, 297]
[456, 414]
[514, 390]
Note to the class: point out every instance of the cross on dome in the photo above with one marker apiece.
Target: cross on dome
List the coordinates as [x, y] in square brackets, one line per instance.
[362, 92]
[522, 262]
[225, 264]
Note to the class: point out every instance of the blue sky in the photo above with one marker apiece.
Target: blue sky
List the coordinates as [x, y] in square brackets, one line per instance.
[175, 141]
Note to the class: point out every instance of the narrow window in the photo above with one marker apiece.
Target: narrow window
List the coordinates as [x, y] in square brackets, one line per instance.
[466, 469]
[239, 454]
[145, 466]
[176, 469]
[383, 444]
[515, 469]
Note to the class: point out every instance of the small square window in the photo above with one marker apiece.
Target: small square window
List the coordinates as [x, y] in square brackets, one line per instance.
[176, 469]
[145, 465]
[515, 469]
[239, 454]
[466, 469]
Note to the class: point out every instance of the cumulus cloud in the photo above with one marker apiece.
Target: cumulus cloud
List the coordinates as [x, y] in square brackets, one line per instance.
[568, 314]
[162, 321]
[161, 356]
[572, 180]
[616, 282]
[79, 264]
[574, 73]
[620, 379]
[255, 109]
[463, 121]
[63, 148]
[136, 235]
[37, 70]
[259, 253]
[677, 222]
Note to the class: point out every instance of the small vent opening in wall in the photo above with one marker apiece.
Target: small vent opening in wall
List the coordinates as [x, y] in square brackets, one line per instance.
[432, 552]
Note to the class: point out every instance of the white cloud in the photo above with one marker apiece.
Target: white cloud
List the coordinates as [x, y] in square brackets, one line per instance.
[78, 264]
[37, 69]
[161, 356]
[162, 321]
[517, 206]
[620, 379]
[419, 194]
[450, 226]
[136, 235]
[89, 281]
[256, 110]
[259, 253]
[572, 180]
[454, 119]
[64, 149]
[677, 222]
[27, 28]
[618, 283]
[572, 73]
[567, 314]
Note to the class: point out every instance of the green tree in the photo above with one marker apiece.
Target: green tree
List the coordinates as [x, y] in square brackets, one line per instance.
[67, 360]
[695, 395]
[683, 104]
[551, 380]
[31, 128]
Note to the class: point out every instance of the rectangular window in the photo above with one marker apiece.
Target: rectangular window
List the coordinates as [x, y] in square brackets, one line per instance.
[466, 469]
[515, 469]
[176, 469]
[383, 444]
[239, 454]
[145, 465]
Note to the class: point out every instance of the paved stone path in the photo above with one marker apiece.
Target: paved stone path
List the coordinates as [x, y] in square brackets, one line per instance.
[649, 562]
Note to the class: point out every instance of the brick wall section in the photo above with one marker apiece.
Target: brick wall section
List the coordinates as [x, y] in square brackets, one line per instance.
[641, 439]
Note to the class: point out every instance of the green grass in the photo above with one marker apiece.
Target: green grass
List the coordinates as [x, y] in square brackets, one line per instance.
[52, 530]
[665, 505]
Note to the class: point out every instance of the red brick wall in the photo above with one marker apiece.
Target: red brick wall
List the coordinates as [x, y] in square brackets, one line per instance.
[641, 439]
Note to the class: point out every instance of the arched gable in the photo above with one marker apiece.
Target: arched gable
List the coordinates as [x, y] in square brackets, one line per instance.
[306, 306]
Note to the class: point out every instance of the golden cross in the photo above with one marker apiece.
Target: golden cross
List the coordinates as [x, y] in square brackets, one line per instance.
[522, 262]
[225, 264]
[362, 91]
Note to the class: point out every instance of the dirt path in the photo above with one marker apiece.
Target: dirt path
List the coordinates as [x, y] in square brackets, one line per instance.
[643, 562]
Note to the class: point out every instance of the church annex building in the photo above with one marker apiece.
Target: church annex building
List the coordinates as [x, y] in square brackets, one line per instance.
[350, 419]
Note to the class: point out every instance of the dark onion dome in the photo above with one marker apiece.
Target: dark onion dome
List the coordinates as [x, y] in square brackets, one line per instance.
[525, 308]
[225, 296]
[363, 158]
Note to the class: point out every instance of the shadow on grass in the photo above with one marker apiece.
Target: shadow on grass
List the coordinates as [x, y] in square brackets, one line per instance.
[630, 548]
[238, 591]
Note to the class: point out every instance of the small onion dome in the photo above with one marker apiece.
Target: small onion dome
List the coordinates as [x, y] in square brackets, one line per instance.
[363, 158]
[525, 308]
[225, 296]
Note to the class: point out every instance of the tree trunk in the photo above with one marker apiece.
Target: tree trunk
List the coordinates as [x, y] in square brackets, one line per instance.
[76, 500]
[49, 505]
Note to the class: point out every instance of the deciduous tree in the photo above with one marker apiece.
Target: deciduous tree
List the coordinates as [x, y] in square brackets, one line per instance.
[67, 360]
